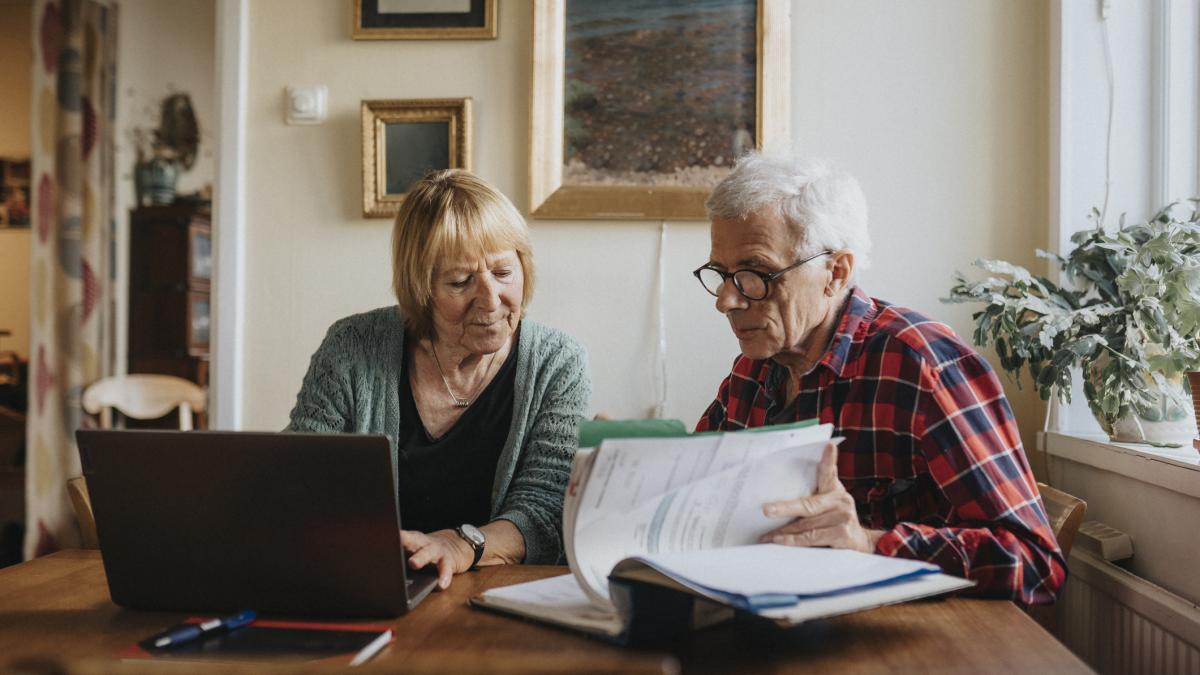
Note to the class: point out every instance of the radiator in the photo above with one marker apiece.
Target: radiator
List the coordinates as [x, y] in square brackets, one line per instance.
[1120, 623]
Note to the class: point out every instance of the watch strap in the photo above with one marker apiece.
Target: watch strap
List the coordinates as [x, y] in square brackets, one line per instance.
[478, 548]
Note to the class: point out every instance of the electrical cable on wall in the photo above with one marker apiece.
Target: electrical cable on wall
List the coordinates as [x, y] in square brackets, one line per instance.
[1108, 66]
[661, 353]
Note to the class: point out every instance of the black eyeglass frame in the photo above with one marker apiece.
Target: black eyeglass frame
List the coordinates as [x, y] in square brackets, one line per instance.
[766, 277]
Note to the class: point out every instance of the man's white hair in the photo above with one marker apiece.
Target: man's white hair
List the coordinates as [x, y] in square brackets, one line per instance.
[825, 207]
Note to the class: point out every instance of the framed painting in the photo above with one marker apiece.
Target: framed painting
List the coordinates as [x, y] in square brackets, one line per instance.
[404, 140]
[424, 19]
[640, 107]
[14, 193]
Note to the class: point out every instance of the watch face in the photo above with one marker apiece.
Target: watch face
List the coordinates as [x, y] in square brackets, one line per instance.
[472, 534]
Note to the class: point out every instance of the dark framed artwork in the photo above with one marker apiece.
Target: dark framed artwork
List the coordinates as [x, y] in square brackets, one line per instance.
[424, 19]
[641, 106]
[14, 193]
[403, 140]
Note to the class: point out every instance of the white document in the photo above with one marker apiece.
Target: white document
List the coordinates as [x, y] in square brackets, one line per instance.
[835, 605]
[646, 496]
[559, 600]
[787, 570]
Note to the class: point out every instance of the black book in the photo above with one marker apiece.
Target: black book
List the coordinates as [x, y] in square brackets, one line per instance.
[340, 643]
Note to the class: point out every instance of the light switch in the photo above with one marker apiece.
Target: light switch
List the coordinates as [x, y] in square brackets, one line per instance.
[306, 104]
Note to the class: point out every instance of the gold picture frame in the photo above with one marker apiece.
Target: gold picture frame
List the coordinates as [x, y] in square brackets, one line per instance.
[404, 139]
[550, 196]
[372, 23]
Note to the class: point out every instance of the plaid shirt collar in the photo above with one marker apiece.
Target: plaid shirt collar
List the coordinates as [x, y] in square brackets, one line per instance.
[857, 313]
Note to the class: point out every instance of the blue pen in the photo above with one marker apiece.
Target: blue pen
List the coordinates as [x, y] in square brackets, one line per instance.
[191, 631]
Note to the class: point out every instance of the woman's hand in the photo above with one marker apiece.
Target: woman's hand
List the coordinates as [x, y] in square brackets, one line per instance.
[828, 517]
[444, 548]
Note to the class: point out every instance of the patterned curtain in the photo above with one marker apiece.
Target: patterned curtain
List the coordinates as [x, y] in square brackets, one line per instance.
[71, 339]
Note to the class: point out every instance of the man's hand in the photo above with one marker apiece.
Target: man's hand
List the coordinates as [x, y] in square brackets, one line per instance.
[444, 548]
[825, 518]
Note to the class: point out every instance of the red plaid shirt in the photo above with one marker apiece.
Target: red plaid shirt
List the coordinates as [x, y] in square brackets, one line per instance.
[932, 454]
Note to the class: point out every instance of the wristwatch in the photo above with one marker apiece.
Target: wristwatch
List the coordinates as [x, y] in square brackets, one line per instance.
[475, 538]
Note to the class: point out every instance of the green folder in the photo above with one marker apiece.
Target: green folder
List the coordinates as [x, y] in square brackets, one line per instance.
[592, 432]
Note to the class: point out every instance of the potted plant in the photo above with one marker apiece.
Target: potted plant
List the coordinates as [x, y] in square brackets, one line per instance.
[1127, 317]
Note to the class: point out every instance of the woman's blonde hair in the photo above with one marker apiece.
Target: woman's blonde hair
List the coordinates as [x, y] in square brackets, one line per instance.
[451, 214]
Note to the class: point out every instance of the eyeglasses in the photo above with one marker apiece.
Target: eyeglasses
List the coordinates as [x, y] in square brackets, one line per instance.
[752, 284]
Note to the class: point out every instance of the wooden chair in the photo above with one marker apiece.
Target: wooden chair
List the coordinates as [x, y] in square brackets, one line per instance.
[144, 397]
[12, 476]
[1066, 514]
[140, 397]
[82, 505]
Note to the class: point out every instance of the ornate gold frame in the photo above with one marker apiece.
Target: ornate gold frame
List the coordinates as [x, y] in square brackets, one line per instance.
[377, 203]
[486, 32]
[550, 198]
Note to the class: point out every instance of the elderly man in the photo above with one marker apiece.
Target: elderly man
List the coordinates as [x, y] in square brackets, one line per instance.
[932, 467]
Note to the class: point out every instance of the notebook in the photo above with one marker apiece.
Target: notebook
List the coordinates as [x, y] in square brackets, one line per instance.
[343, 644]
[282, 523]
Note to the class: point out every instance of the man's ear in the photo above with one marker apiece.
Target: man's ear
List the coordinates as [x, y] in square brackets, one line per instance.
[841, 269]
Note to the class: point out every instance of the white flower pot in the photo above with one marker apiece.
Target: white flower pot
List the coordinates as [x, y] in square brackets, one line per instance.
[1170, 421]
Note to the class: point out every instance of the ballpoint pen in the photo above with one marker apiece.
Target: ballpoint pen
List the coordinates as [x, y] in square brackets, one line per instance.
[188, 632]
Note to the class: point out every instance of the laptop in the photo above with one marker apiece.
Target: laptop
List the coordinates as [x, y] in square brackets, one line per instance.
[281, 523]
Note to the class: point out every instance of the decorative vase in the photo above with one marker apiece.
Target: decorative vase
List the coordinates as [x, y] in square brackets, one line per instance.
[1169, 420]
[156, 181]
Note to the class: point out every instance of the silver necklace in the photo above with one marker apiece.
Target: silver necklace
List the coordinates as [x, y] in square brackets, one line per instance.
[458, 402]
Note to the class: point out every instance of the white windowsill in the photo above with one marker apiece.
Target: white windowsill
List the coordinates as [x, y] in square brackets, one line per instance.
[1176, 469]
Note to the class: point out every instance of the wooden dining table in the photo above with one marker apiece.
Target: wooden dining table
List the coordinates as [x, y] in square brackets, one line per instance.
[55, 612]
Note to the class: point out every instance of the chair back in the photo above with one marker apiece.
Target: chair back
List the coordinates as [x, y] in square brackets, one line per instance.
[140, 397]
[144, 397]
[81, 503]
[1066, 514]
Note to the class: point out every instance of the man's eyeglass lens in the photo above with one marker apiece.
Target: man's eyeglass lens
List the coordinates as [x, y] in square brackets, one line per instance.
[748, 283]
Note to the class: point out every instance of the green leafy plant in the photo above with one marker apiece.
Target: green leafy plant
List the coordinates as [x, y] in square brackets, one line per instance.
[1127, 315]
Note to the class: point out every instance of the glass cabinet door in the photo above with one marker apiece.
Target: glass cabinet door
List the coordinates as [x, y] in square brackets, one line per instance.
[200, 253]
[198, 324]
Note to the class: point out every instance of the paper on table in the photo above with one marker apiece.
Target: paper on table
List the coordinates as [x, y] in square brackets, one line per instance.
[766, 569]
[817, 608]
[558, 599]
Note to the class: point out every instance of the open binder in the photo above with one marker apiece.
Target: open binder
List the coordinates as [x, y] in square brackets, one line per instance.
[660, 529]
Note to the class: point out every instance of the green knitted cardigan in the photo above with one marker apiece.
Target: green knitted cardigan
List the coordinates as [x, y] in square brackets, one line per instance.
[353, 384]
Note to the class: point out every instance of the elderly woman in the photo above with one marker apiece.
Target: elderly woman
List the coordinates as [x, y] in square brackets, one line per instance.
[932, 466]
[481, 405]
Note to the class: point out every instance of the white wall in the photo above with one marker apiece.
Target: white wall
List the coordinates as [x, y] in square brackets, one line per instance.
[14, 288]
[16, 81]
[163, 48]
[16, 78]
[938, 106]
[939, 109]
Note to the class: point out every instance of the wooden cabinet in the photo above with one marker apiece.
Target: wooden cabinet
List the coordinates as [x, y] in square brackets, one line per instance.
[170, 276]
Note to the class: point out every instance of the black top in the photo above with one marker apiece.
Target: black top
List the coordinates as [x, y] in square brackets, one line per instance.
[447, 481]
